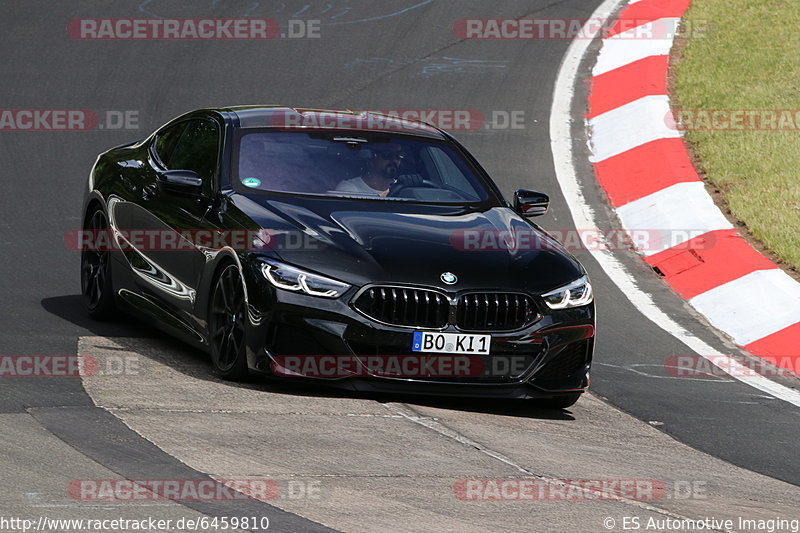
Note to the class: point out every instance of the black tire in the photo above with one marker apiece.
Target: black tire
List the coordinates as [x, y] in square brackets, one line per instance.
[226, 320]
[96, 288]
[559, 402]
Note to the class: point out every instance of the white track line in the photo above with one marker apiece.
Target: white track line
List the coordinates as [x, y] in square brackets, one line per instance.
[583, 217]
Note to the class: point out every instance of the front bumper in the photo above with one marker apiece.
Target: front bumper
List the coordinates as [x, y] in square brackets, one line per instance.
[548, 358]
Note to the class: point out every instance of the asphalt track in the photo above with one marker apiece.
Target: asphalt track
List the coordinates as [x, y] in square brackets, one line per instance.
[375, 55]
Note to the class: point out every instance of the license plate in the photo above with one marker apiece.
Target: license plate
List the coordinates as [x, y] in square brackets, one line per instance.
[426, 341]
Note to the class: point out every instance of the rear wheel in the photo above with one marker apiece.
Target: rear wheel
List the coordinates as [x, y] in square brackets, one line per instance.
[96, 288]
[226, 325]
[559, 402]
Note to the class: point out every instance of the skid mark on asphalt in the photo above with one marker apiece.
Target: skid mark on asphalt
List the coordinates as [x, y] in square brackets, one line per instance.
[455, 65]
[329, 15]
[431, 66]
[636, 369]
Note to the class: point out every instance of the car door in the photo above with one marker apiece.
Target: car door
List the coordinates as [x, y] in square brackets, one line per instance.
[174, 221]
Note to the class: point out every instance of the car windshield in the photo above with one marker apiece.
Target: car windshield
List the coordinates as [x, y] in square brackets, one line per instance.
[354, 164]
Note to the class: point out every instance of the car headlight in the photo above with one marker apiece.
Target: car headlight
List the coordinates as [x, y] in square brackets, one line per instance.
[290, 278]
[574, 294]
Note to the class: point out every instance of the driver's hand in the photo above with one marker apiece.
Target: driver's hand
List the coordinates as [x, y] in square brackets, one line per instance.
[406, 180]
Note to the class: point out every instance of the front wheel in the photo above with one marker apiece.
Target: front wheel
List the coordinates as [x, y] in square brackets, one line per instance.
[226, 325]
[96, 287]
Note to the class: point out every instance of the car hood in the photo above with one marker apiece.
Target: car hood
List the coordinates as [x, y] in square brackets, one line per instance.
[367, 242]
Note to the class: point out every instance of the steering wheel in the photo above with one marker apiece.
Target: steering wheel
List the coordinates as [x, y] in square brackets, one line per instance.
[407, 181]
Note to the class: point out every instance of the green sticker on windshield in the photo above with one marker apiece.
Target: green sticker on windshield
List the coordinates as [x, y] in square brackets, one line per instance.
[251, 182]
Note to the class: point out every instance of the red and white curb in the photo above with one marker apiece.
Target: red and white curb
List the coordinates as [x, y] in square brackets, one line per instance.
[643, 165]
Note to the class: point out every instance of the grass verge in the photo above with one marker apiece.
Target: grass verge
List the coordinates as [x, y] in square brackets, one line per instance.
[748, 61]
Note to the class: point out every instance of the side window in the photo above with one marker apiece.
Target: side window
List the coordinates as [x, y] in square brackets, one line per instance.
[197, 149]
[166, 141]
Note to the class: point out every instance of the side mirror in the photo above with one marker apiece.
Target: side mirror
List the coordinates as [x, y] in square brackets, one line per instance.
[531, 203]
[186, 182]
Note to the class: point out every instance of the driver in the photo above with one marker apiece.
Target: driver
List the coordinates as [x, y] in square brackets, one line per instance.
[381, 171]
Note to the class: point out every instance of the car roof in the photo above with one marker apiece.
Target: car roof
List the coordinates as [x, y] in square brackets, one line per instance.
[291, 118]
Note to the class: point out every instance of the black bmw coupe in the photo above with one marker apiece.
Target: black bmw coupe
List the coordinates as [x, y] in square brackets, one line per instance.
[349, 248]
